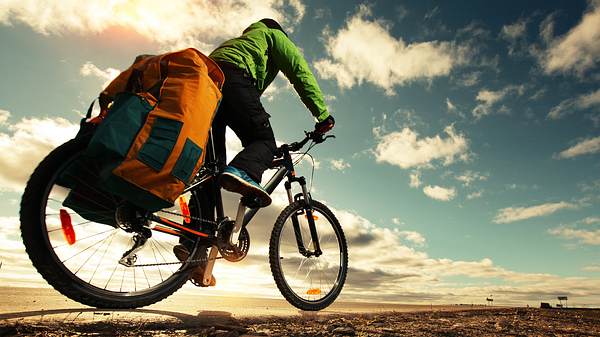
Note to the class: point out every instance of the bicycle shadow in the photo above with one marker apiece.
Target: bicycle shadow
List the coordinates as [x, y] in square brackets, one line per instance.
[218, 319]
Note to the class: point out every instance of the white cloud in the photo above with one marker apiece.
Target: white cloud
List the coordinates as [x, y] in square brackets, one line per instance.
[588, 237]
[412, 236]
[594, 268]
[512, 214]
[470, 79]
[576, 51]
[570, 105]
[474, 195]
[514, 31]
[175, 23]
[396, 221]
[351, 60]
[488, 98]
[339, 164]
[4, 115]
[106, 75]
[406, 150]
[25, 144]
[450, 106]
[591, 220]
[515, 34]
[469, 177]
[415, 179]
[439, 193]
[586, 146]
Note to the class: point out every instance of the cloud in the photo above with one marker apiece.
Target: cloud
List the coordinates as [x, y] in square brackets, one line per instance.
[4, 115]
[174, 23]
[585, 146]
[469, 79]
[587, 237]
[412, 236]
[474, 195]
[351, 61]
[439, 193]
[339, 164]
[571, 105]
[512, 214]
[415, 179]
[469, 177]
[25, 144]
[576, 51]
[591, 220]
[594, 268]
[514, 31]
[488, 98]
[450, 106]
[406, 150]
[106, 75]
[515, 34]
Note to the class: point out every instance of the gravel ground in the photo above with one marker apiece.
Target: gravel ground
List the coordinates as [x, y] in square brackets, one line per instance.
[487, 322]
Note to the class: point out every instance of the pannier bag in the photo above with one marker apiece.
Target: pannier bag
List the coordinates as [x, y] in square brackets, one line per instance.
[151, 142]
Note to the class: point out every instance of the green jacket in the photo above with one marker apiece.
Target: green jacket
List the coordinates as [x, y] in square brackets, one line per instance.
[263, 52]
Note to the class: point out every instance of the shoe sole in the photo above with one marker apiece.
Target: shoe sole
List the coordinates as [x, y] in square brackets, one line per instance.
[233, 183]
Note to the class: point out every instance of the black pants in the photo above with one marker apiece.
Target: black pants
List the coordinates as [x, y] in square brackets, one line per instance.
[243, 112]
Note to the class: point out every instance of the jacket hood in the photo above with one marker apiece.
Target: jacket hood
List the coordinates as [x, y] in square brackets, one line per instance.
[255, 25]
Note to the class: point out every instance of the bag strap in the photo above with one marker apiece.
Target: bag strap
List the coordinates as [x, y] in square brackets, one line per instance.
[89, 111]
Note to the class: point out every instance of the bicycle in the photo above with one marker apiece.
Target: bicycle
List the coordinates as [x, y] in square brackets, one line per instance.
[125, 258]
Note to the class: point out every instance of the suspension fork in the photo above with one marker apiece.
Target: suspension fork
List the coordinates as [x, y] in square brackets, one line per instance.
[308, 212]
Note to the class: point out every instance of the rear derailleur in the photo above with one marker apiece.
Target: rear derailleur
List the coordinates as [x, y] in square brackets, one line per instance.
[132, 220]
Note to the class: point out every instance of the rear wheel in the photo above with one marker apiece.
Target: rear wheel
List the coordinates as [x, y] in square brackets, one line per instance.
[308, 283]
[78, 252]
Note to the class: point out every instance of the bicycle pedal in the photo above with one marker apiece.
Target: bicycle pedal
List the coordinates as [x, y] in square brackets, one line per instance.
[251, 201]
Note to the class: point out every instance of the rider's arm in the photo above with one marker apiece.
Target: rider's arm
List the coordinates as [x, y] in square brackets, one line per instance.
[293, 65]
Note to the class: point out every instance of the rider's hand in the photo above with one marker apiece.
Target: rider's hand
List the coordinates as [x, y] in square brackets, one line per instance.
[326, 125]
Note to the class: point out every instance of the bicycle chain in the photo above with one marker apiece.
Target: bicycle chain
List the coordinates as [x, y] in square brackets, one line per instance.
[182, 262]
[172, 263]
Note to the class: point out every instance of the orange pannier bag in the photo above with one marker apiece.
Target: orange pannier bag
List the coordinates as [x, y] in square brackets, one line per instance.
[151, 141]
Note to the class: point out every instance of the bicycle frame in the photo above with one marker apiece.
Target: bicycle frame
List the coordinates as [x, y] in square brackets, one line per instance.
[285, 169]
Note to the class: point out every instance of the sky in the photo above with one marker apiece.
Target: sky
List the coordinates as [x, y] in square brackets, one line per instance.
[467, 157]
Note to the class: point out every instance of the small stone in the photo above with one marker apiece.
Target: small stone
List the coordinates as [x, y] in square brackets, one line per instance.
[344, 330]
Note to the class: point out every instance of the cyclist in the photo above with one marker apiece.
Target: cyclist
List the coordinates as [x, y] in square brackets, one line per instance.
[250, 63]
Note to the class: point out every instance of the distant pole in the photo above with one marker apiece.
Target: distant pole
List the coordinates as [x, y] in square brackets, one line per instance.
[563, 298]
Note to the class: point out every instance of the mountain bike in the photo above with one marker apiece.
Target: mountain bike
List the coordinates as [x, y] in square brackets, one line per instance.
[117, 256]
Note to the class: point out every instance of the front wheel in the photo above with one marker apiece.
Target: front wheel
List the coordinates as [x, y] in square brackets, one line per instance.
[308, 282]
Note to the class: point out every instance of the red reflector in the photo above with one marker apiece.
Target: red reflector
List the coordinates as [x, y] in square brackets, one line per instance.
[67, 227]
[185, 209]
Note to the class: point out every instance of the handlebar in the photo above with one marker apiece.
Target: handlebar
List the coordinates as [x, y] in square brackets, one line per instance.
[316, 137]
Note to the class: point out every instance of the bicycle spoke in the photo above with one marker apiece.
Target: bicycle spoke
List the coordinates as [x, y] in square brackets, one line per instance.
[156, 260]
[102, 258]
[94, 253]
[79, 240]
[79, 224]
[92, 245]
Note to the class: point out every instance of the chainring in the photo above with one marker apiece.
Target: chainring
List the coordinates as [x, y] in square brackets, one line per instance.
[233, 253]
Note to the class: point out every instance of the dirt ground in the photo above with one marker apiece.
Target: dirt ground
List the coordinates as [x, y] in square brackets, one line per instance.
[484, 322]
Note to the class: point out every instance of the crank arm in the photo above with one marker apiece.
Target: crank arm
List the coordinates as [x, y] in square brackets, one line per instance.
[212, 256]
